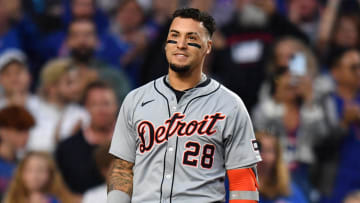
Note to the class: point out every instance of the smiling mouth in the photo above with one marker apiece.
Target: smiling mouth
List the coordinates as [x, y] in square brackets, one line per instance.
[179, 55]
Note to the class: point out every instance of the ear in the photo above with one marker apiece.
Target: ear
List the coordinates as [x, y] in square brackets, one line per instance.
[209, 46]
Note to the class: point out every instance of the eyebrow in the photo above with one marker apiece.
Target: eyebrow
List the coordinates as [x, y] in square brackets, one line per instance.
[189, 33]
[174, 31]
[192, 33]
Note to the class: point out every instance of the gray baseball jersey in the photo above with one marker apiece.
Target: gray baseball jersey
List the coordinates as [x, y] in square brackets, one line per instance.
[181, 149]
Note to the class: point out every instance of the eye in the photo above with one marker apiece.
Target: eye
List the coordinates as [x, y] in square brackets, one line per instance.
[174, 35]
[192, 37]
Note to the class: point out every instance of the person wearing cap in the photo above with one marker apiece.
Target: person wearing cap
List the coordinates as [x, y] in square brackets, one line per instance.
[15, 79]
[15, 123]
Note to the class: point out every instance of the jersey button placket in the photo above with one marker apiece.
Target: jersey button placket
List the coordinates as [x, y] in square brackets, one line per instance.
[169, 159]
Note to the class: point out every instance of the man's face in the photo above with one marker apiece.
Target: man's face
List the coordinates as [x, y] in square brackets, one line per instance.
[346, 33]
[69, 86]
[83, 8]
[15, 78]
[102, 106]
[130, 16]
[306, 9]
[349, 71]
[14, 138]
[187, 44]
[82, 40]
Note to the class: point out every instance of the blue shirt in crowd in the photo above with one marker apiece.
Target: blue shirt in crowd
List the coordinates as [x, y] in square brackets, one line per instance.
[348, 176]
[9, 40]
[6, 172]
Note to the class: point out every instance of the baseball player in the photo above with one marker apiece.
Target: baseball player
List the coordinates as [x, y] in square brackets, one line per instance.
[177, 136]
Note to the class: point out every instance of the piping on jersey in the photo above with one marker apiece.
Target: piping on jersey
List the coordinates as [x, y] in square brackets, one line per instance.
[177, 137]
[163, 176]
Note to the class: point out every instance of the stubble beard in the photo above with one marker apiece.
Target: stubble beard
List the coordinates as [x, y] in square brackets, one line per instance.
[180, 69]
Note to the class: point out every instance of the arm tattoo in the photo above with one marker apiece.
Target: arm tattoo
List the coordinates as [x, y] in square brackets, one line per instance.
[121, 176]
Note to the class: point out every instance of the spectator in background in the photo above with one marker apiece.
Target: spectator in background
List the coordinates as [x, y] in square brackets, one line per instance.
[60, 83]
[103, 162]
[222, 10]
[9, 36]
[248, 36]
[298, 120]
[155, 64]
[42, 32]
[160, 14]
[62, 90]
[341, 148]
[85, 9]
[353, 197]
[128, 25]
[283, 54]
[306, 15]
[15, 124]
[338, 29]
[13, 10]
[82, 42]
[15, 80]
[37, 180]
[74, 154]
[346, 31]
[275, 184]
[61, 116]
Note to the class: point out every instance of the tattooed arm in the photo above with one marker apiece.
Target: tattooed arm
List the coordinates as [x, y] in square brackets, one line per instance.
[120, 178]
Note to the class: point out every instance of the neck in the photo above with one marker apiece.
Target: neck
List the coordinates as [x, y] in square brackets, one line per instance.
[291, 104]
[17, 98]
[287, 102]
[346, 92]
[184, 81]
[36, 196]
[55, 100]
[3, 27]
[7, 152]
[96, 135]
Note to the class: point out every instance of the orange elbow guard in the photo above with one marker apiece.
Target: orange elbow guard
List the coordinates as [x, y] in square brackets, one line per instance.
[243, 186]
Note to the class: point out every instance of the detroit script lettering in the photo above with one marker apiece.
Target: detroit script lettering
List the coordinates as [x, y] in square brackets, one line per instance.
[175, 125]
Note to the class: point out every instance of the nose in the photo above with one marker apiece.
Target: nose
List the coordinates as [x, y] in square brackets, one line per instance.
[181, 44]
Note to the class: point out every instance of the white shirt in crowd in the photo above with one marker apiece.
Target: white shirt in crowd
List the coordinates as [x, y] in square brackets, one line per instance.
[96, 195]
[52, 122]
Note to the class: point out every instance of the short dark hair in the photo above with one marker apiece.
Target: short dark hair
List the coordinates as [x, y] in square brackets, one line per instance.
[98, 84]
[16, 117]
[197, 15]
[336, 55]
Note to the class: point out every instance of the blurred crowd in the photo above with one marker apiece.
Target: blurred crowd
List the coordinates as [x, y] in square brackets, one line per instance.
[66, 66]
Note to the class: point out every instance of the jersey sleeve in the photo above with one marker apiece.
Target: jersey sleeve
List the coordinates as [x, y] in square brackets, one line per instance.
[241, 148]
[123, 144]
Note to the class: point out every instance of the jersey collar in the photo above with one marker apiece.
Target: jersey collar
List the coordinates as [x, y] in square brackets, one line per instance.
[204, 87]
